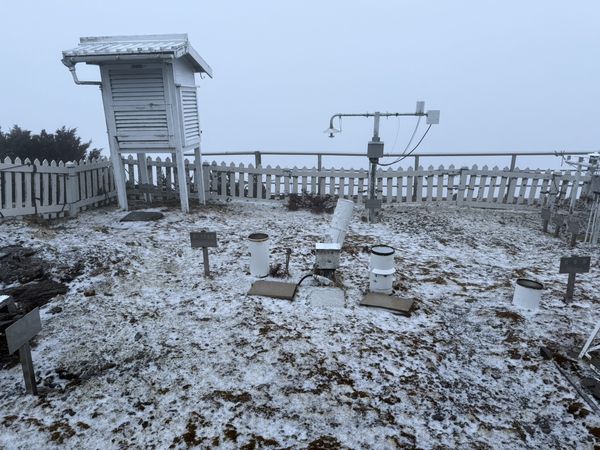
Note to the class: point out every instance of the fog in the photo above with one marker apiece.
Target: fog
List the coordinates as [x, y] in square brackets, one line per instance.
[506, 75]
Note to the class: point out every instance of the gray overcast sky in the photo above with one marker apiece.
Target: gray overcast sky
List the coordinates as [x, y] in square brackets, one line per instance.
[506, 75]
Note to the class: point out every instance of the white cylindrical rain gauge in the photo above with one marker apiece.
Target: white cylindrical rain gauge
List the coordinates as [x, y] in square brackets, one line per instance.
[381, 269]
[528, 294]
[258, 245]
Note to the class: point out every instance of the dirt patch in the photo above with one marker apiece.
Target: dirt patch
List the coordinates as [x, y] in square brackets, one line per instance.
[509, 315]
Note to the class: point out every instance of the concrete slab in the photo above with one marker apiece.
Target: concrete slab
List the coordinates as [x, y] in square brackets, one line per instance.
[142, 216]
[273, 289]
[389, 302]
[327, 297]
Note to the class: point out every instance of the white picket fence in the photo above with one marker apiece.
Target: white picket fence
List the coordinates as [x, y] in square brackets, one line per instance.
[482, 187]
[54, 189]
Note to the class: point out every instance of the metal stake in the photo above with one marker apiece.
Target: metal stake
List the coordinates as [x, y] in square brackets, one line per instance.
[205, 258]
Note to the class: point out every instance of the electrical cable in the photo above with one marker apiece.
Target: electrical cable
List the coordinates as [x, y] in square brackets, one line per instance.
[397, 134]
[409, 153]
[413, 135]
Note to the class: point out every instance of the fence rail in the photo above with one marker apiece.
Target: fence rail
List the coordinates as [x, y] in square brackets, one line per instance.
[53, 189]
[475, 186]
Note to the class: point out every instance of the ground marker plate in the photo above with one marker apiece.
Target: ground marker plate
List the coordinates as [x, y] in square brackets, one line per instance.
[392, 303]
[274, 289]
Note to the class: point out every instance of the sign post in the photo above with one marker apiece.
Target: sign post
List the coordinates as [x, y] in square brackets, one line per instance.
[204, 240]
[573, 265]
[18, 336]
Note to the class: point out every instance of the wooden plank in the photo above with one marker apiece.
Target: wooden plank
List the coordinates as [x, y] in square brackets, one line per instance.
[482, 184]
[419, 186]
[277, 185]
[492, 188]
[429, 195]
[8, 186]
[501, 189]
[440, 184]
[360, 190]
[450, 185]
[471, 185]
[409, 184]
[332, 185]
[512, 184]
[268, 186]
[389, 189]
[294, 181]
[399, 189]
[18, 188]
[522, 190]
[533, 190]
[460, 196]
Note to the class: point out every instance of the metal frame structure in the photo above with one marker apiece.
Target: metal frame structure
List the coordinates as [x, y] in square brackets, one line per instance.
[375, 146]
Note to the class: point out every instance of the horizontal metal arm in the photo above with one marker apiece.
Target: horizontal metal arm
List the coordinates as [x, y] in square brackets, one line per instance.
[373, 115]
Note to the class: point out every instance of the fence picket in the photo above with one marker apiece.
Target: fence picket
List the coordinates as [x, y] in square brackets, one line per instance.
[25, 190]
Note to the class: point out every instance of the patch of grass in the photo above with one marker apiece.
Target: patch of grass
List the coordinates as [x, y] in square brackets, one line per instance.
[315, 203]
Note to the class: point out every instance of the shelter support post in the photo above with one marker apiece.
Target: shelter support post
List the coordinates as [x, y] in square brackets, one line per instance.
[183, 188]
[144, 179]
[119, 173]
[199, 176]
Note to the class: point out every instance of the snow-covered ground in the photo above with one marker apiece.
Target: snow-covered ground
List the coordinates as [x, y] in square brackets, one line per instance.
[162, 357]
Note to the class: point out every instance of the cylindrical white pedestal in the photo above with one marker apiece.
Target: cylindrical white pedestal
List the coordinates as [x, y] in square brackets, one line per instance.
[258, 245]
[381, 281]
[528, 294]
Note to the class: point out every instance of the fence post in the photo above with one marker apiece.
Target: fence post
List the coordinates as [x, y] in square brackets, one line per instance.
[416, 179]
[321, 182]
[72, 189]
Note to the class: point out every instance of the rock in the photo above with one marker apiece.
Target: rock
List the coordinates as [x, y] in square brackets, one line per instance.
[55, 310]
[89, 292]
[137, 336]
[36, 293]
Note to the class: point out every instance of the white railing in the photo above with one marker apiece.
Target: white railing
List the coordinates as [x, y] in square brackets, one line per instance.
[52, 189]
[484, 187]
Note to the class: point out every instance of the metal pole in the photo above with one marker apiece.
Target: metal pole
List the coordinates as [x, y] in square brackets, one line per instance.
[373, 168]
[416, 181]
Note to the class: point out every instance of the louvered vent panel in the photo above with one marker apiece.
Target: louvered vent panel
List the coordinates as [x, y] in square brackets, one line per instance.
[191, 122]
[133, 86]
[139, 107]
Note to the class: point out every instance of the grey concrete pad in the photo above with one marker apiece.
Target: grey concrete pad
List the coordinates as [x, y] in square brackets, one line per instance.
[389, 302]
[142, 216]
[327, 297]
[274, 289]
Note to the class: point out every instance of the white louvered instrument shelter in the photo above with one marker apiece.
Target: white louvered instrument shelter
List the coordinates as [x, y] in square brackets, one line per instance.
[150, 96]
